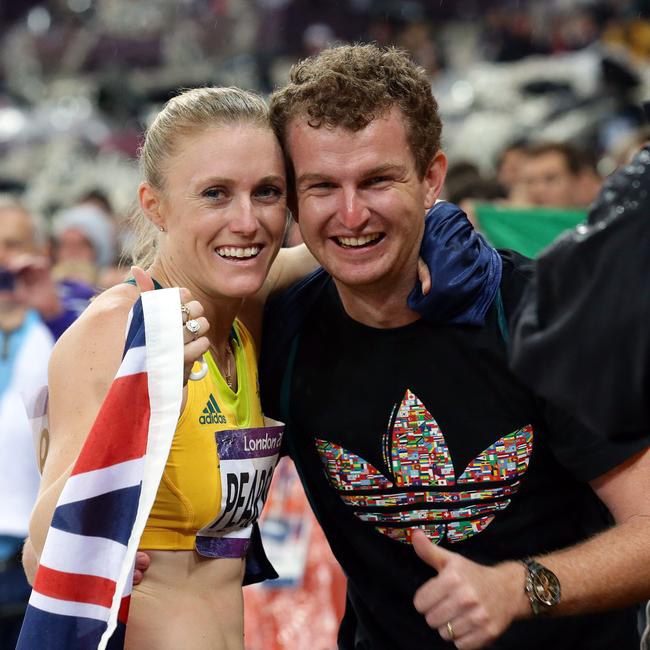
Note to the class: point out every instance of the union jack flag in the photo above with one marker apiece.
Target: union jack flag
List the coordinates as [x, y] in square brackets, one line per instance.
[81, 594]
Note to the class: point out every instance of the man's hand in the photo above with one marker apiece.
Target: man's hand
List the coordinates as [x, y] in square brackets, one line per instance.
[195, 344]
[476, 603]
[142, 562]
[30, 563]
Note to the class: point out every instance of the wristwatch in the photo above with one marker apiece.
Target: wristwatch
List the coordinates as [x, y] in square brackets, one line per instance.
[542, 587]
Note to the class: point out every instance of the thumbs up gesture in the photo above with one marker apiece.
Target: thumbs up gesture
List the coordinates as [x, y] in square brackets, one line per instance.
[469, 604]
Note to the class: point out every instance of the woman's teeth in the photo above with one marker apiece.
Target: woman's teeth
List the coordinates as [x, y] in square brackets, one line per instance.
[231, 251]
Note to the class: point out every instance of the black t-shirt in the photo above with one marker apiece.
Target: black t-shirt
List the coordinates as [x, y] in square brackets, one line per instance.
[424, 425]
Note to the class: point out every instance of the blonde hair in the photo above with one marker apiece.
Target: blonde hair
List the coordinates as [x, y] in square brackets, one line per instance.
[189, 112]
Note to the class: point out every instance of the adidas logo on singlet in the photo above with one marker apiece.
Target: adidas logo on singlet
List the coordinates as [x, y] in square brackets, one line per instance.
[212, 413]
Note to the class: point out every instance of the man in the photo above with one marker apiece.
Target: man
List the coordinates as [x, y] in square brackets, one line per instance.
[404, 429]
[557, 175]
[59, 304]
[509, 163]
[587, 313]
[84, 241]
[25, 345]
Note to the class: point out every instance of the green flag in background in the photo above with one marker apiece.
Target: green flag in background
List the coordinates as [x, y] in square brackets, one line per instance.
[526, 230]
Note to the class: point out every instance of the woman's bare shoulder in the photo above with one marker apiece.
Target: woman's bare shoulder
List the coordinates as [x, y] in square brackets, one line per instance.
[107, 311]
[82, 366]
[113, 302]
[92, 345]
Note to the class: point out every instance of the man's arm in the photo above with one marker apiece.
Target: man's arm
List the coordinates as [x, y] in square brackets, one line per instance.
[610, 570]
[613, 568]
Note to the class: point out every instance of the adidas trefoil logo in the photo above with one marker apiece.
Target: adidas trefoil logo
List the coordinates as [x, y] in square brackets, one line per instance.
[212, 413]
[423, 490]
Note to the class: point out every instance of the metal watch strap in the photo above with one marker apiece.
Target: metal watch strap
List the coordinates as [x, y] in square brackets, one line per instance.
[533, 569]
[529, 564]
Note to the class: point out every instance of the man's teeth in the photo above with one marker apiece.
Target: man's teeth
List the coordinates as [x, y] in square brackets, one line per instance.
[358, 241]
[231, 251]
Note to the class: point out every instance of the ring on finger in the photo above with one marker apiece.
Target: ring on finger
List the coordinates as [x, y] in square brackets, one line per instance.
[185, 310]
[450, 630]
[193, 327]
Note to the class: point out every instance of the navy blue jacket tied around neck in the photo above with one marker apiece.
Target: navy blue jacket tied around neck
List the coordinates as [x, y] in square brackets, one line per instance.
[465, 269]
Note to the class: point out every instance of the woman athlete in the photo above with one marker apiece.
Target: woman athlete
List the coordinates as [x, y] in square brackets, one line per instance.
[213, 202]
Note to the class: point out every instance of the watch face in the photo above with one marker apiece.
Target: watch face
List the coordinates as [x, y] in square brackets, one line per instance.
[546, 587]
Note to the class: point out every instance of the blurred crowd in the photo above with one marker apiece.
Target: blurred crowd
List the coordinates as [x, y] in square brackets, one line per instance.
[540, 101]
[79, 79]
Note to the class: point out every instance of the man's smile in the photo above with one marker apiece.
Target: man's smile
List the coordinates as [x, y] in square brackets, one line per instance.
[359, 242]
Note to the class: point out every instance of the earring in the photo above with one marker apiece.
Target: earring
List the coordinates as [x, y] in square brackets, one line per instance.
[161, 229]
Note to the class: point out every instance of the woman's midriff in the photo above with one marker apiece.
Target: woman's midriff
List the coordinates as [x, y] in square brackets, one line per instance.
[189, 602]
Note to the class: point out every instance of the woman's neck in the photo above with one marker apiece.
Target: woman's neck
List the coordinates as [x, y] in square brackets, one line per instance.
[220, 311]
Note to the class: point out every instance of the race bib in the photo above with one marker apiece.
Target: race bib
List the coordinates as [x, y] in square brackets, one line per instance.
[248, 458]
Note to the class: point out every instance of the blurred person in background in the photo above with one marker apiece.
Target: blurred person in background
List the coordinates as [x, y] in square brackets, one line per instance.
[557, 175]
[317, 37]
[552, 184]
[587, 313]
[511, 33]
[25, 345]
[590, 182]
[417, 38]
[465, 182]
[509, 164]
[466, 186]
[98, 198]
[84, 242]
[124, 240]
[59, 303]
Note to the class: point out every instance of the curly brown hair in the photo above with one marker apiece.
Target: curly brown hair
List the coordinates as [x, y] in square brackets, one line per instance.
[351, 85]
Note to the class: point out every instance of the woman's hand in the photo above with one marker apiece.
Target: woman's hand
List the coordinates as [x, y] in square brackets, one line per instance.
[424, 276]
[196, 342]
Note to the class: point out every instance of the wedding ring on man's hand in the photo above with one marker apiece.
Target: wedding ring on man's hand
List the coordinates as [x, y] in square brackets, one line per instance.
[193, 327]
[450, 630]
